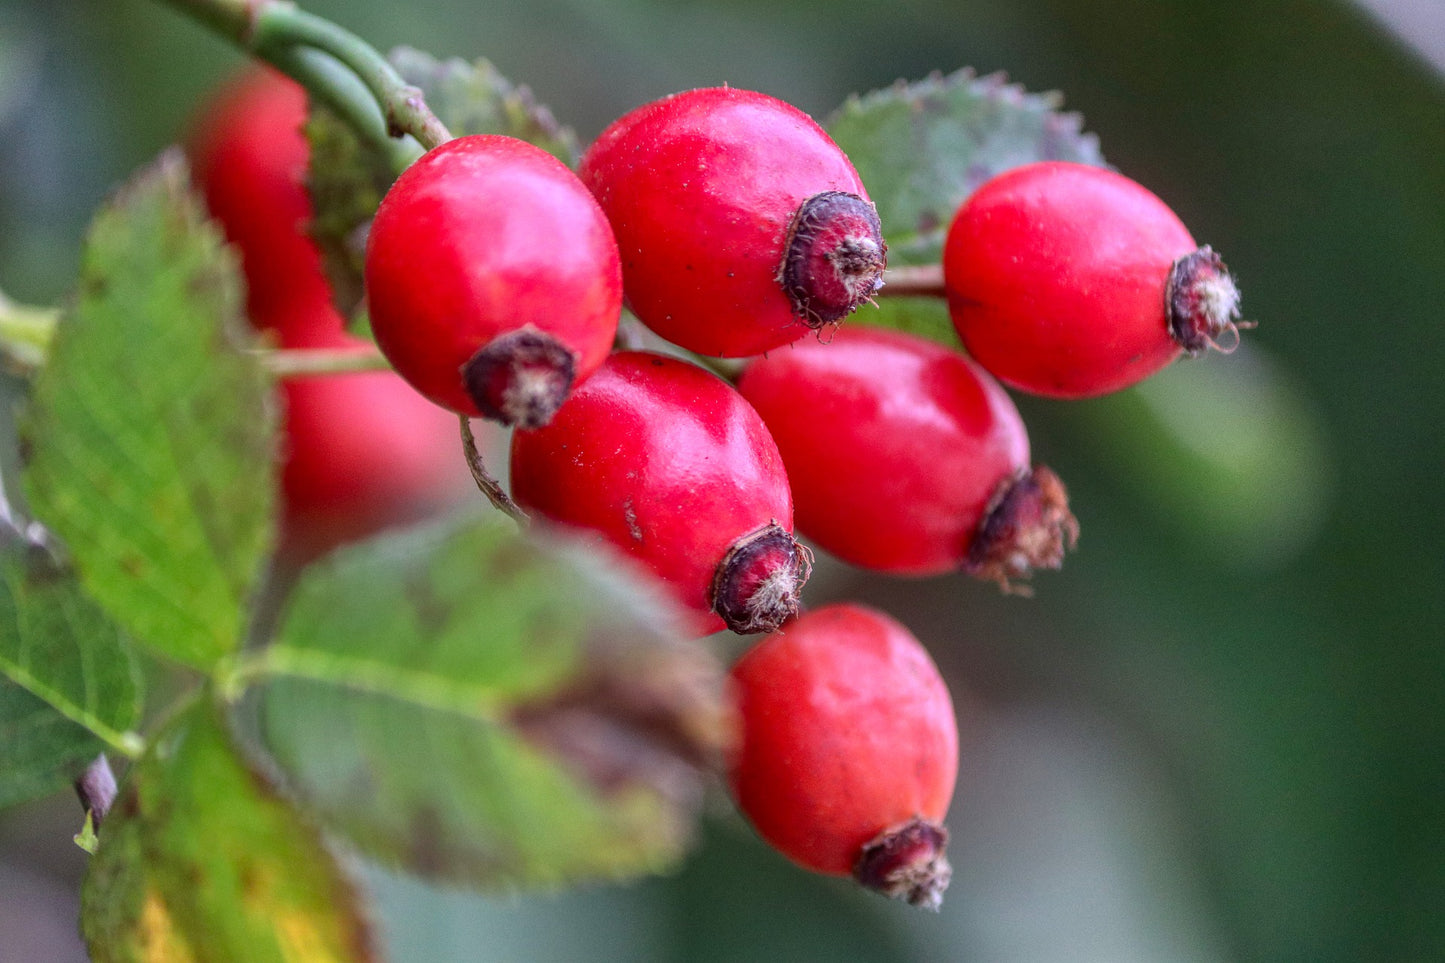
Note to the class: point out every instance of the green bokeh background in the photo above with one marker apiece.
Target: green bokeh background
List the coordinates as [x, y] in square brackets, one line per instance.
[1218, 733]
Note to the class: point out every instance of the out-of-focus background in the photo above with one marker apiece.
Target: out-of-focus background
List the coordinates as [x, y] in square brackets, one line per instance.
[1219, 733]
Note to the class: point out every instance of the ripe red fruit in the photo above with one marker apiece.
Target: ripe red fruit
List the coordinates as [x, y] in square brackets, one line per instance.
[360, 451]
[848, 751]
[1073, 281]
[741, 224]
[669, 463]
[492, 279]
[906, 457]
[363, 452]
[249, 155]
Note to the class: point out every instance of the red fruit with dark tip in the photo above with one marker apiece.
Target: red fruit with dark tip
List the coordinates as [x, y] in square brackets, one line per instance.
[848, 751]
[1073, 281]
[668, 463]
[742, 225]
[905, 457]
[492, 279]
[249, 156]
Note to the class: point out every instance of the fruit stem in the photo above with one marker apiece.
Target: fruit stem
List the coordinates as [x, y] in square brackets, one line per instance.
[297, 362]
[913, 281]
[279, 33]
[488, 484]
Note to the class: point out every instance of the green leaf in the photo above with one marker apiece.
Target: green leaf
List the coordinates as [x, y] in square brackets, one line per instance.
[61, 648]
[201, 860]
[471, 97]
[151, 431]
[1227, 453]
[921, 148]
[40, 749]
[348, 177]
[462, 703]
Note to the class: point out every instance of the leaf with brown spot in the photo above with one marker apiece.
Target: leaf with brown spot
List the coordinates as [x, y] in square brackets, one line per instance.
[201, 860]
[531, 716]
[150, 430]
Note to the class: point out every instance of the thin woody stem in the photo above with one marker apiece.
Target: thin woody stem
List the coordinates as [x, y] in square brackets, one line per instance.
[488, 485]
[295, 362]
[921, 281]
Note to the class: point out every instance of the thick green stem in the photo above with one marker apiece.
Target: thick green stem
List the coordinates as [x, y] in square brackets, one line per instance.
[337, 88]
[277, 26]
[287, 37]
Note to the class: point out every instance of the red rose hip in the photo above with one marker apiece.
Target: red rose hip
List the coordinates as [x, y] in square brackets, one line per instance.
[249, 157]
[849, 750]
[492, 279]
[1073, 281]
[905, 457]
[362, 451]
[741, 224]
[670, 464]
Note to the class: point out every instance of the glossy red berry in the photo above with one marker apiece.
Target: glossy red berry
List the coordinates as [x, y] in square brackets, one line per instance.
[742, 225]
[249, 156]
[849, 750]
[908, 458]
[1073, 281]
[669, 463]
[492, 279]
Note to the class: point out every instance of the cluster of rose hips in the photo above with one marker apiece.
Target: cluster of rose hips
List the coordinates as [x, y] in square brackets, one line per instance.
[733, 227]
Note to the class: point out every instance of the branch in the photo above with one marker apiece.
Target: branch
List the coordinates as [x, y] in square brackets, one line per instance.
[923, 281]
[288, 38]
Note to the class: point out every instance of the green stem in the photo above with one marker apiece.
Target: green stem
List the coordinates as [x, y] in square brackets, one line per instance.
[277, 26]
[296, 362]
[336, 87]
[25, 333]
[283, 35]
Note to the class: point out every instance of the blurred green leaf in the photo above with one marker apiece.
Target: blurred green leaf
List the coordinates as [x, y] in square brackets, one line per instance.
[1227, 452]
[151, 433]
[348, 177]
[471, 97]
[61, 648]
[201, 860]
[40, 749]
[921, 148]
[346, 180]
[465, 704]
